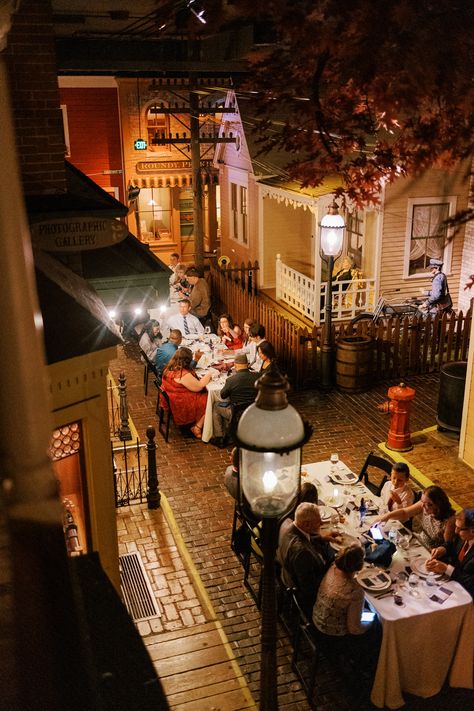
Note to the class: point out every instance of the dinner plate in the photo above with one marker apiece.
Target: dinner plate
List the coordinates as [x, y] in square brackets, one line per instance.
[326, 512]
[345, 477]
[374, 580]
[418, 565]
[335, 502]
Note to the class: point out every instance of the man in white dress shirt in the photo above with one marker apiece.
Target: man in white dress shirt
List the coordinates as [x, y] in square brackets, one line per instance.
[185, 322]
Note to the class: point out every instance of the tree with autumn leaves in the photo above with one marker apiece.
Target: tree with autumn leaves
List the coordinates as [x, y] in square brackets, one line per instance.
[370, 89]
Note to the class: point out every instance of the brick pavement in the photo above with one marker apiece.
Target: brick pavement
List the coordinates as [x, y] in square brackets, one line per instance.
[191, 475]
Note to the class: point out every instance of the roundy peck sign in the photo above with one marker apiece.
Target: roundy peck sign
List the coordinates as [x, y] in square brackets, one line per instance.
[74, 234]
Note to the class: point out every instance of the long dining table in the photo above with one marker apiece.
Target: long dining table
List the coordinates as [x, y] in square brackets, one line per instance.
[427, 631]
[220, 360]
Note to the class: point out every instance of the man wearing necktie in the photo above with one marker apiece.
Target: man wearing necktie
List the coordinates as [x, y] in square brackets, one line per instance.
[458, 556]
[185, 322]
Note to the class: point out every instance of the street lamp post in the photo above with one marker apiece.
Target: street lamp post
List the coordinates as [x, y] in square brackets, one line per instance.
[270, 436]
[332, 233]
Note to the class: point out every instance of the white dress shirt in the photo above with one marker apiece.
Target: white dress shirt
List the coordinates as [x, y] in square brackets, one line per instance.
[194, 324]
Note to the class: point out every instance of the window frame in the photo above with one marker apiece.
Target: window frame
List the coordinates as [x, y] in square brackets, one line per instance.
[448, 247]
[238, 208]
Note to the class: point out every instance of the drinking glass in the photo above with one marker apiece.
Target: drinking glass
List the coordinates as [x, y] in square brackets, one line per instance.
[430, 581]
[334, 459]
[393, 535]
[402, 579]
[403, 541]
[207, 330]
[413, 582]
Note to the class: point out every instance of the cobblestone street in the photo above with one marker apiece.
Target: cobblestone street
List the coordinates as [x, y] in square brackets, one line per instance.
[191, 476]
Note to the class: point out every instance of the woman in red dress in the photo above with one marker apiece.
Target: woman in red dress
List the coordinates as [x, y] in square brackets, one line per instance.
[187, 393]
[230, 333]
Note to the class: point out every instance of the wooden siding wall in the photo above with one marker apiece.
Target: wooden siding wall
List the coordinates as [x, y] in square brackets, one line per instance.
[433, 184]
[94, 133]
[287, 232]
[402, 347]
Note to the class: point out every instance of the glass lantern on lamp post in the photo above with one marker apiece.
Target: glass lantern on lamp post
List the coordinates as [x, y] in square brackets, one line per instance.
[270, 436]
[332, 233]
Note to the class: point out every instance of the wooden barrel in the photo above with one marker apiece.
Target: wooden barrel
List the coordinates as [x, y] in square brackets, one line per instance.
[354, 364]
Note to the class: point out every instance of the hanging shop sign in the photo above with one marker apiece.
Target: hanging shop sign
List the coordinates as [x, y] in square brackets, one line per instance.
[158, 166]
[73, 234]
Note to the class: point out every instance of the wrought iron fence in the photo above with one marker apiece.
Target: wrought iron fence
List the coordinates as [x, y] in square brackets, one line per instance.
[130, 472]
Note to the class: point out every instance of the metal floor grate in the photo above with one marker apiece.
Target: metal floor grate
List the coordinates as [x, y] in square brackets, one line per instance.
[136, 589]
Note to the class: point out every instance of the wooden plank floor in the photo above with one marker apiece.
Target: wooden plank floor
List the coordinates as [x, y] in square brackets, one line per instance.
[198, 670]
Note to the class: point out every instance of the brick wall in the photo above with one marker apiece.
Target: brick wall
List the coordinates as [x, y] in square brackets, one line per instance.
[94, 133]
[31, 61]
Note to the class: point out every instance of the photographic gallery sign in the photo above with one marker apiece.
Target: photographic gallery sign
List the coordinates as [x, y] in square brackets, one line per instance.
[73, 234]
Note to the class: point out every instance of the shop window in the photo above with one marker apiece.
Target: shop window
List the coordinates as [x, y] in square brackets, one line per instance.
[428, 234]
[155, 213]
[66, 452]
[186, 213]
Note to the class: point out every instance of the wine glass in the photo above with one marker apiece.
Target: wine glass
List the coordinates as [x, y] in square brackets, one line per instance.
[334, 459]
[403, 541]
[402, 579]
[413, 582]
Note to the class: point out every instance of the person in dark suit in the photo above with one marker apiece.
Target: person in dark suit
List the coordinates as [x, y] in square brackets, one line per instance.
[305, 555]
[456, 560]
[238, 392]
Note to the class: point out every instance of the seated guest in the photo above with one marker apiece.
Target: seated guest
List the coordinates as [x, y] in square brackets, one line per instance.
[458, 555]
[230, 334]
[266, 353]
[337, 617]
[397, 492]
[340, 600]
[308, 494]
[305, 555]
[185, 321]
[257, 336]
[437, 517]
[187, 393]
[150, 339]
[200, 296]
[238, 392]
[246, 334]
[181, 288]
[173, 265]
[166, 351]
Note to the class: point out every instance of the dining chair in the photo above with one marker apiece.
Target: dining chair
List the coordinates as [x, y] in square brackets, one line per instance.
[306, 650]
[148, 367]
[163, 412]
[374, 462]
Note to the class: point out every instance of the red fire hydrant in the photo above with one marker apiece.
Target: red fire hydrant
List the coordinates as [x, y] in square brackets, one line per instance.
[399, 406]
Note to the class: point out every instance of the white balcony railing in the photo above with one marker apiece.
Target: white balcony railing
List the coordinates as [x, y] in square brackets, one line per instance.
[308, 298]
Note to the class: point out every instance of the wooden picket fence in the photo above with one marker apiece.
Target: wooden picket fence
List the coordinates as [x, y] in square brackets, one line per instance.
[402, 346]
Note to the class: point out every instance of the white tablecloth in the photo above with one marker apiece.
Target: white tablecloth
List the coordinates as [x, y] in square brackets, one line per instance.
[424, 643]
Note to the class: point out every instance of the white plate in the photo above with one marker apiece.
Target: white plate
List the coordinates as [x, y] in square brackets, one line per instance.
[344, 477]
[418, 565]
[335, 503]
[326, 512]
[374, 580]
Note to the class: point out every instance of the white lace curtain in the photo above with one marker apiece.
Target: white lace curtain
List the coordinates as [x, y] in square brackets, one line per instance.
[428, 231]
